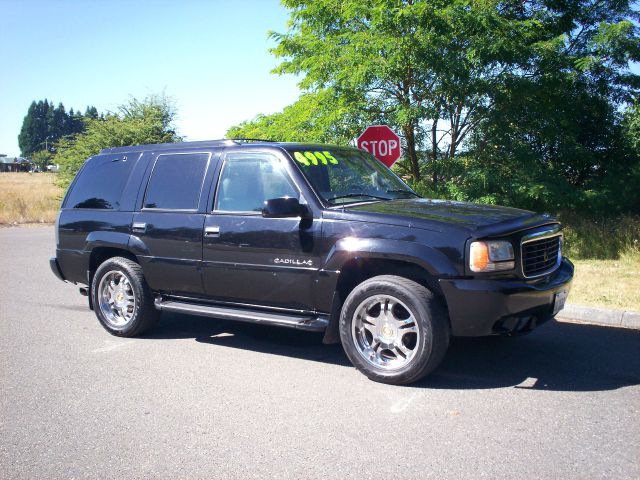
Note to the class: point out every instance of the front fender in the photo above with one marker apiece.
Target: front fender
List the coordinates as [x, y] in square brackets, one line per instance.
[433, 261]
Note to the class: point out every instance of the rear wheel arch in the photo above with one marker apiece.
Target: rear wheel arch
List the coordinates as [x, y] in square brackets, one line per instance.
[101, 254]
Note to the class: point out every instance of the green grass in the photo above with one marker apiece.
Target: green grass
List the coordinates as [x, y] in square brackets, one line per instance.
[606, 253]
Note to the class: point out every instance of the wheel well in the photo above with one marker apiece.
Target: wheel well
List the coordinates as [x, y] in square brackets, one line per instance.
[100, 254]
[358, 270]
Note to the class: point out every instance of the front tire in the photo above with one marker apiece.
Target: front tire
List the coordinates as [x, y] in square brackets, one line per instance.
[393, 329]
[122, 300]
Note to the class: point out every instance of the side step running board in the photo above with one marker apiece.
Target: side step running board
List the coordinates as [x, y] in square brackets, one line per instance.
[300, 322]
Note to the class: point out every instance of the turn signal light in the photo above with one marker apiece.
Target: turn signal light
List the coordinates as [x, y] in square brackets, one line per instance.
[479, 257]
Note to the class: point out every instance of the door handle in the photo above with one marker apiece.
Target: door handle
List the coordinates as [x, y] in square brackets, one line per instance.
[212, 231]
[139, 226]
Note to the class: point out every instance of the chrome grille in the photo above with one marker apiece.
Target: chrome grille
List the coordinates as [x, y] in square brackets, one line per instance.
[542, 253]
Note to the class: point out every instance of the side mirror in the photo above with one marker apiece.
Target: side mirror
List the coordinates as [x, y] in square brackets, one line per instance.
[284, 207]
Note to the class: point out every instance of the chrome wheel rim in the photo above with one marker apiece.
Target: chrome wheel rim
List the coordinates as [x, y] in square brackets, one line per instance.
[116, 299]
[385, 332]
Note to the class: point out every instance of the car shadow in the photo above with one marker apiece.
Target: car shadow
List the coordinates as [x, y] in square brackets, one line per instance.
[557, 356]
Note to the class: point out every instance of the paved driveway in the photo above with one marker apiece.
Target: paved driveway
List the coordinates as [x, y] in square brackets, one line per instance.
[212, 399]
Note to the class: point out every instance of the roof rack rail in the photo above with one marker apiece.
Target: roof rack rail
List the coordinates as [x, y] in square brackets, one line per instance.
[248, 140]
[169, 146]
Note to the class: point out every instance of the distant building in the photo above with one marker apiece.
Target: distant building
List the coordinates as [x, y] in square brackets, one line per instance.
[15, 164]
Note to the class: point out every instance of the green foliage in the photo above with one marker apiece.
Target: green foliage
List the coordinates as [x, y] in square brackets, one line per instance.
[405, 62]
[45, 124]
[135, 123]
[41, 159]
[600, 236]
[631, 127]
[437, 70]
[316, 117]
[498, 102]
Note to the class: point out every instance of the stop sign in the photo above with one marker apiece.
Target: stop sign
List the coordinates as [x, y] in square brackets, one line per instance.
[381, 142]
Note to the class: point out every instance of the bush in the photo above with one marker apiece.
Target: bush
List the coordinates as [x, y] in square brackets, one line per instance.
[136, 123]
[589, 233]
[601, 237]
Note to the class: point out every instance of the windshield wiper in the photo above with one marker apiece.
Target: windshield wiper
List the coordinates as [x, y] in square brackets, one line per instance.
[351, 195]
[399, 190]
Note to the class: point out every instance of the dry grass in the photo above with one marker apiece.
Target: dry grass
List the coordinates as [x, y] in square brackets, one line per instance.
[608, 283]
[28, 198]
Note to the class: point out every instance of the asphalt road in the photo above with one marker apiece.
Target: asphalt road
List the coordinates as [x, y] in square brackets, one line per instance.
[212, 399]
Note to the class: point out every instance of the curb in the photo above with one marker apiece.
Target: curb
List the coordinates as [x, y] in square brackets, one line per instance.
[573, 313]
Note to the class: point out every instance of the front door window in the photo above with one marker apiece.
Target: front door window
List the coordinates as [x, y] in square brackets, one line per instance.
[250, 179]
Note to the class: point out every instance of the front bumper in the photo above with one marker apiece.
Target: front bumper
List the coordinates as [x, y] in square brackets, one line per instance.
[480, 307]
[55, 268]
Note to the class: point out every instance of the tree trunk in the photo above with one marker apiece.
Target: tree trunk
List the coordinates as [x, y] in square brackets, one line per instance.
[409, 135]
[454, 141]
[434, 151]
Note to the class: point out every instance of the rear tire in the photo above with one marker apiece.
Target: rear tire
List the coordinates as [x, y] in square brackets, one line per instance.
[122, 300]
[394, 330]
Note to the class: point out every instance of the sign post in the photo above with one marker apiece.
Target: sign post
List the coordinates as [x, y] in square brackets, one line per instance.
[381, 142]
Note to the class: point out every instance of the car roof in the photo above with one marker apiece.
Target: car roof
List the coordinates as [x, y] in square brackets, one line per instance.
[235, 142]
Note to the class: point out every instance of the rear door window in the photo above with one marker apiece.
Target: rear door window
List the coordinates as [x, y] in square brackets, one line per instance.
[176, 181]
[101, 182]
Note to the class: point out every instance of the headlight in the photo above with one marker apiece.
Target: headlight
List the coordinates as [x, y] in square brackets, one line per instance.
[491, 256]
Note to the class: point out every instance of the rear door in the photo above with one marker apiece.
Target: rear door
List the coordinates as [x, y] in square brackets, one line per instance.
[167, 229]
[251, 259]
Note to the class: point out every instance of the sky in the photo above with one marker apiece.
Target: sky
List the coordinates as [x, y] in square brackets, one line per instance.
[211, 57]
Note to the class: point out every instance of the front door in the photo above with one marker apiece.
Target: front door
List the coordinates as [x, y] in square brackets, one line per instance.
[250, 259]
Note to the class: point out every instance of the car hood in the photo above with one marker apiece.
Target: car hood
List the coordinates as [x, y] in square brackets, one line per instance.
[478, 219]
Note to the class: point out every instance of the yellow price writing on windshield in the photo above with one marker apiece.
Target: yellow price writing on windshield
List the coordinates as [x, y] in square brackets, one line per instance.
[309, 158]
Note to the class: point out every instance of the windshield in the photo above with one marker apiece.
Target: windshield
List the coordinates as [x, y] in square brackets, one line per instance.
[349, 176]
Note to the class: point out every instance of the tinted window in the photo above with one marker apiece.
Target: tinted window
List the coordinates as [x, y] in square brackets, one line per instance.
[176, 181]
[101, 182]
[248, 180]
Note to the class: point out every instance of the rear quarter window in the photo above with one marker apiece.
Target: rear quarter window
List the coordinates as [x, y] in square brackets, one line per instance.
[101, 182]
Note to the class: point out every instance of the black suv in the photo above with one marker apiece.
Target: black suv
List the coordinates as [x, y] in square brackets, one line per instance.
[312, 237]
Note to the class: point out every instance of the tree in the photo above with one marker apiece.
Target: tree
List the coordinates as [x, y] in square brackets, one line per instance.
[315, 117]
[434, 69]
[135, 123]
[91, 112]
[41, 159]
[409, 62]
[45, 124]
[631, 124]
[59, 123]
[553, 138]
[27, 136]
[35, 133]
